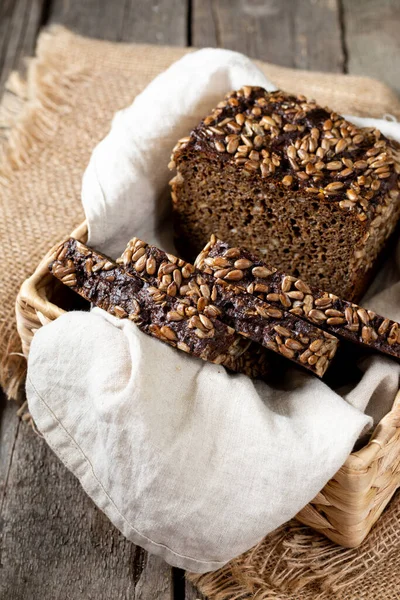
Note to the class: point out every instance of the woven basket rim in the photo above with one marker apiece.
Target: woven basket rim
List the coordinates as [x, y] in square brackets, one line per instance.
[30, 293]
[30, 290]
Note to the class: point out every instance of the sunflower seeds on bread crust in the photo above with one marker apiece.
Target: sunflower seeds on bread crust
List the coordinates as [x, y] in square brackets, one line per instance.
[204, 297]
[105, 284]
[339, 317]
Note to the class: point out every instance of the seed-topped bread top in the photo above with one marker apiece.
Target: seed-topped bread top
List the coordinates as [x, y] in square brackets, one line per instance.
[302, 147]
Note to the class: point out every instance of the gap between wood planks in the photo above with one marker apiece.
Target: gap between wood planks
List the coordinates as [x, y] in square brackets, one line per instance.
[342, 24]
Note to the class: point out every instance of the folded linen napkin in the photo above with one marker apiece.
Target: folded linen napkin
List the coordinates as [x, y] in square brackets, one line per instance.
[188, 461]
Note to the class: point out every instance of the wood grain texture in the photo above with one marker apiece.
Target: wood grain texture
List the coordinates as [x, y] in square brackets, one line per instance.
[92, 18]
[372, 38]
[9, 426]
[304, 34]
[51, 531]
[191, 593]
[147, 21]
[54, 534]
[19, 23]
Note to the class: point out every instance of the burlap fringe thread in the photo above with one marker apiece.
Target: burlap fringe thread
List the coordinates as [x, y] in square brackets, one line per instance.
[29, 115]
[293, 559]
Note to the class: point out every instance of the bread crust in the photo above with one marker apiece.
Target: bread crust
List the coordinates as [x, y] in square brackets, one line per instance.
[294, 167]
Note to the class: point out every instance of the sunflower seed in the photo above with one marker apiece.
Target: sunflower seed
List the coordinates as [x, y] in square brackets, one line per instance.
[140, 264]
[187, 270]
[335, 186]
[234, 275]
[285, 300]
[88, 265]
[243, 263]
[293, 344]
[275, 313]
[332, 312]
[334, 165]
[321, 365]
[366, 334]
[82, 249]
[384, 326]
[151, 265]
[177, 276]
[220, 274]
[206, 322]
[98, 266]
[315, 345]
[260, 287]
[392, 337]
[282, 330]
[286, 284]
[232, 253]
[221, 262]
[173, 315]
[305, 356]
[140, 252]
[168, 333]
[323, 303]
[296, 295]
[362, 313]
[261, 272]
[70, 280]
[302, 286]
[120, 312]
[335, 321]
[316, 314]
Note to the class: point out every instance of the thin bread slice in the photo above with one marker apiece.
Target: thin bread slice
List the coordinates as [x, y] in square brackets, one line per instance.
[274, 328]
[339, 317]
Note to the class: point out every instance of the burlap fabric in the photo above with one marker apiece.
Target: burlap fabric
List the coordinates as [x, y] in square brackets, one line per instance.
[50, 124]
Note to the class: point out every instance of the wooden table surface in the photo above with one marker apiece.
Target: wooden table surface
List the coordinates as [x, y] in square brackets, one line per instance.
[55, 543]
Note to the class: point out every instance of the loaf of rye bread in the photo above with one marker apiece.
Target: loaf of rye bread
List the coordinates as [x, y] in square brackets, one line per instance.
[253, 318]
[294, 183]
[340, 317]
[105, 284]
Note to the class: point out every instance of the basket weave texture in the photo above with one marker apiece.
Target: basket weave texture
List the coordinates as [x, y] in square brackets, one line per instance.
[350, 503]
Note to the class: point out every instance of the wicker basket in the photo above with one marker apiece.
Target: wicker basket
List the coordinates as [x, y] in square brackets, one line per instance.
[350, 503]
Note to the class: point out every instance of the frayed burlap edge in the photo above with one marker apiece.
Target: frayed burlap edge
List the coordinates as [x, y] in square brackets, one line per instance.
[297, 561]
[30, 111]
[42, 98]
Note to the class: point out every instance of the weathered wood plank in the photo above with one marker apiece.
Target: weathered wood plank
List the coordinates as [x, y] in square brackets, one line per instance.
[156, 22]
[372, 38]
[9, 425]
[304, 34]
[155, 581]
[93, 18]
[19, 23]
[191, 593]
[149, 21]
[317, 33]
[53, 534]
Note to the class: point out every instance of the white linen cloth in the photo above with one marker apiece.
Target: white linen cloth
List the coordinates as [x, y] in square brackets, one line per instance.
[190, 462]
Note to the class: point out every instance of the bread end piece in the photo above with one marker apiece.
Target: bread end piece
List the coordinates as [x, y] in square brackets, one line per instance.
[292, 182]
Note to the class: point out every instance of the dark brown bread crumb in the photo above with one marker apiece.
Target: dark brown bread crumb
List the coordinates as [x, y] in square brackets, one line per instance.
[108, 286]
[294, 183]
[337, 316]
[272, 327]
